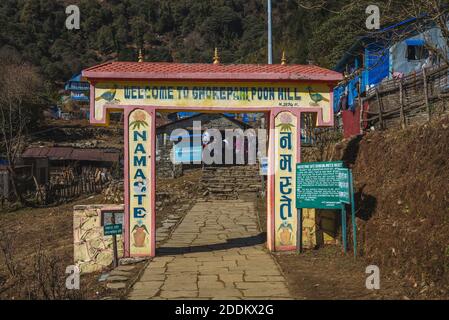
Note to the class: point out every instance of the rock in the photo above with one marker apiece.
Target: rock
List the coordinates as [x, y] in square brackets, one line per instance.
[168, 224]
[117, 278]
[124, 262]
[116, 272]
[116, 285]
[103, 277]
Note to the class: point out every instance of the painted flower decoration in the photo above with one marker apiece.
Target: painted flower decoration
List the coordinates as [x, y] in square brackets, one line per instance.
[139, 120]
[286, 118]
[286, 122]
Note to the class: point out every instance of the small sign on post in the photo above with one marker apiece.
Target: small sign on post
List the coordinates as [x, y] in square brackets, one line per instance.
[343, 185]
[113, 229]
[263, 170]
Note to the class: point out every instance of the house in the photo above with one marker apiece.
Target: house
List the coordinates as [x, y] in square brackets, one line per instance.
[188, 154]
[50, 164]
[23, 174]
[393, 52]
[79, 89]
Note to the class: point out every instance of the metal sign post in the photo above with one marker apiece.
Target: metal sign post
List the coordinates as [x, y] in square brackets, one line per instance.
[299, 231]
[113, 230]
[343, 226]
[354, 226]
[344, 195]
[114, 243]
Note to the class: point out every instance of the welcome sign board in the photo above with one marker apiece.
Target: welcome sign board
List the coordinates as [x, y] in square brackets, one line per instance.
[199, 95]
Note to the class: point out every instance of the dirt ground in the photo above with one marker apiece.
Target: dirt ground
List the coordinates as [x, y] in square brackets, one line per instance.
[38, 239]
[402, 200]
[327, 274]
[38, 242]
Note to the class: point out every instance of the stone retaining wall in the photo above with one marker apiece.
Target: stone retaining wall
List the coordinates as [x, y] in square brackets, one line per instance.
[93, 250]
[319, 227]
[165, 168]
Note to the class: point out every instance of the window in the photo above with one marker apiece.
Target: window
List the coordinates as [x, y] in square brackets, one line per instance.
[417, 52]
[416, 49]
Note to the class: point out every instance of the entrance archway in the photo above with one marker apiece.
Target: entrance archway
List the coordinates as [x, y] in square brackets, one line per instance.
[141, 89]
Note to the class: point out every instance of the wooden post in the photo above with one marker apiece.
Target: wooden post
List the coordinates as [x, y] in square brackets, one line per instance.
[360, 104]
[299, 231]
[354, 226]
[426, 93]
[401, 104]
[114, 243]
[379, 103]
[343, 226]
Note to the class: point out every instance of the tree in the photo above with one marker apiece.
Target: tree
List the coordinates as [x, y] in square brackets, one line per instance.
[21, 95]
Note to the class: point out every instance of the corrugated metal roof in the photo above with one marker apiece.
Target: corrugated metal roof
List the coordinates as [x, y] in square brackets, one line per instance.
[68, 153]
[95, 155]
[209, 71]
[59, 153]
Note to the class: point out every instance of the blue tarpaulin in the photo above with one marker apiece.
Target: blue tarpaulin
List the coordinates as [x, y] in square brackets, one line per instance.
[352, 93]
[415, 42]
[377, 64]
[182, 115]
[338, 92]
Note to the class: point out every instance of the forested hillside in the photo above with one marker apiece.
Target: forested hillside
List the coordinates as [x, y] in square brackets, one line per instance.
[176, 30]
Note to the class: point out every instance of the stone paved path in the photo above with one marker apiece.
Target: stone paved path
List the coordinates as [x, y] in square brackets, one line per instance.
[216, 252]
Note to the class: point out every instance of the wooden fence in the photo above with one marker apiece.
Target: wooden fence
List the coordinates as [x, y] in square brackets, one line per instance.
[412, 99]
[57, 193]
[312, 136]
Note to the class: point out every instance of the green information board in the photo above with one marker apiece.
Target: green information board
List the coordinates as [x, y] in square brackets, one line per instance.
[318, 185]
[325, 185]
[343, 185]
[112, 229]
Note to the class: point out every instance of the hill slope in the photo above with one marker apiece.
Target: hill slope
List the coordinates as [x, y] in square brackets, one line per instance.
[402, 185]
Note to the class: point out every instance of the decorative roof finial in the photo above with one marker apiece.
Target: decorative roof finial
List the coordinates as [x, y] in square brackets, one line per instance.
[140, 56]
[216, 57]
[284, 59]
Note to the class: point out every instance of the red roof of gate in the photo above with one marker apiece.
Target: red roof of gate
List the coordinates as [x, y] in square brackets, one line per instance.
[208, 71]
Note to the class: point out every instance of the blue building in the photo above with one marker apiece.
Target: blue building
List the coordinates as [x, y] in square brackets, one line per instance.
[392, 52]
[79, 90]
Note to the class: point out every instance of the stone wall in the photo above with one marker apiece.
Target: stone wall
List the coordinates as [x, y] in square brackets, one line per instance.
[165, 168]
[319, 227]
[93, 250]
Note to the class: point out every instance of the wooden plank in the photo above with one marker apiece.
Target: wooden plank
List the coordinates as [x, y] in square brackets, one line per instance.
[401, 104]
[379, 103]
[426, 93]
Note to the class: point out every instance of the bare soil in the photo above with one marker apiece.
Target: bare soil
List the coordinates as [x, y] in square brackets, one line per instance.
[402, 185]
[42, 234]
[46, 234]
[328, 274]
[402, 200]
